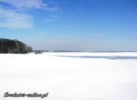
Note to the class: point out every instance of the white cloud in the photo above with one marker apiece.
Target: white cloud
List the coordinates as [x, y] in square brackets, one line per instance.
[13, 19]
[13, 16]
[99, 35]
[95, 1]
[68, 26]
[25, 3]
[48, 20]
[30, 4]
[67, 37]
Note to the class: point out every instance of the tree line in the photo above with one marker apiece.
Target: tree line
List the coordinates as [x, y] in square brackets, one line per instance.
[13, 46]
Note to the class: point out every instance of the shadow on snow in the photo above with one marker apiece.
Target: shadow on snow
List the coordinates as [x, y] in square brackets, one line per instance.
[105, 57]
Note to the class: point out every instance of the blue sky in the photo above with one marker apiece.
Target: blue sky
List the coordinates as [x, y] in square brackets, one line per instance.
[78, 25]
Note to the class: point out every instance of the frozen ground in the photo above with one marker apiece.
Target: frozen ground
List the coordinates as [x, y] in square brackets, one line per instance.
[70, 76]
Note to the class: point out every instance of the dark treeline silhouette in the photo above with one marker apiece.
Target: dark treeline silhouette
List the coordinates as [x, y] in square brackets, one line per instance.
[13, 46]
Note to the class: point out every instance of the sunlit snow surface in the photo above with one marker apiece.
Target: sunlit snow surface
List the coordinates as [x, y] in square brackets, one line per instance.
[70, 76]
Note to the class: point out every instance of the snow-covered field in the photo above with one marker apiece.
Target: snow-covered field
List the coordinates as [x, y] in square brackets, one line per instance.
[70, 76]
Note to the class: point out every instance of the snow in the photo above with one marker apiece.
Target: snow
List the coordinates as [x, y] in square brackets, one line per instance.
[70, 76]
